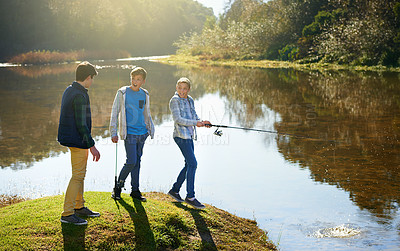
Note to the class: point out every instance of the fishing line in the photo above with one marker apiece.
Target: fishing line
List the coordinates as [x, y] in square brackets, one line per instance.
[219, 132]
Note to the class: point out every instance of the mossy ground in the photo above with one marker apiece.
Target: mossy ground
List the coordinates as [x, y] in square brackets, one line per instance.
[158, 224]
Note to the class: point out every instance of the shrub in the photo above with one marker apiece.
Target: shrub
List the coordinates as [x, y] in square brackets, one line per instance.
[288, 53]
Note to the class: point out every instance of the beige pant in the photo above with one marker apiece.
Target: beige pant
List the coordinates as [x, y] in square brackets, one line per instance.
[74, 194]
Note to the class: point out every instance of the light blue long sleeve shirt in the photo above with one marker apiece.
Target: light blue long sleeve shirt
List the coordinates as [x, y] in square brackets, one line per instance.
[185, 119]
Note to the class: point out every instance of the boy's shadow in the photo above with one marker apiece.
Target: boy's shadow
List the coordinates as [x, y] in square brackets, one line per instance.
[74, 236]
[144, 236]
[207, 241]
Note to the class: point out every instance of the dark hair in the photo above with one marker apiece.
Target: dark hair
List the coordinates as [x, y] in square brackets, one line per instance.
[139, 71]
[85, 69]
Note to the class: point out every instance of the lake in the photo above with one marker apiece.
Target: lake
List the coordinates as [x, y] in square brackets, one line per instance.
[326, 177]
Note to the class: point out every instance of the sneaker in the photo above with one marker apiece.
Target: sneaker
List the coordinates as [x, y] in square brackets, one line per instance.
[73, 219]
[138, 195]
[84, 211]
[116, 193]
[175, 196]
[194, 203]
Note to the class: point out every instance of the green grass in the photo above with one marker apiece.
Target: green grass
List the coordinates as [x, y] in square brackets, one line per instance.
[158, 224]
[204, 61]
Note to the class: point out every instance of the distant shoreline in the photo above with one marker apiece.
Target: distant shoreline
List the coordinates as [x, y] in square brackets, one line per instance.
[57, 57]
[47, 57]
[201, 61]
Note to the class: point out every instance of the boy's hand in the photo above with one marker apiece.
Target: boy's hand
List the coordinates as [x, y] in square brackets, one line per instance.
[95, 153]
[114, 139]
[207, 123]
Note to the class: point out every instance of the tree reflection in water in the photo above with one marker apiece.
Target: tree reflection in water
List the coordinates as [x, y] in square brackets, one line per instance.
[359, 111]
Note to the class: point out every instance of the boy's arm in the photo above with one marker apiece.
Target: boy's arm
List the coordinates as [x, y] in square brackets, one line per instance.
[95, 153]
[195, 113]
[200, 123]
[147, 117]
[114, 115]
[80, 120]
[176, 115]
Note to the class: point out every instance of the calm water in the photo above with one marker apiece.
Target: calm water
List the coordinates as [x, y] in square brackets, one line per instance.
[339, 189]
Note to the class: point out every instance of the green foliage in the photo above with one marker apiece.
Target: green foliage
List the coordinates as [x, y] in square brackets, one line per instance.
[289, 53]
[238, 41]
[396, 10]
[251, 29]
[311, 29]
[210, 23]
[272, 53]
[323, 20]
[390, 58]
[363, 35]
[396, 39]
[139, 27]
[338, 14]
[357, 40]
[346, 32]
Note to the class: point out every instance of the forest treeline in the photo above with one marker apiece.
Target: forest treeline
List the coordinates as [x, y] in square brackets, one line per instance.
[136, 26]
[355, 32]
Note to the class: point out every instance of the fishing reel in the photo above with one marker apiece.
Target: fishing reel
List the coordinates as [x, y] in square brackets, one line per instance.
[218, 132]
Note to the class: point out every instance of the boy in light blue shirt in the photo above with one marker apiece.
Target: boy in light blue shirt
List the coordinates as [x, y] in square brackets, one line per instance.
[185, 122]
[134, 107]
[131, 111]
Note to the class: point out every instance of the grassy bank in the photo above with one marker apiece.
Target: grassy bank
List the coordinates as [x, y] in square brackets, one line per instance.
[158, 224]
[53, 57]
[204, 61]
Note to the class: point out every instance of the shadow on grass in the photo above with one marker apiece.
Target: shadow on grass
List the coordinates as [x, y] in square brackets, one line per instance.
[74, 236]
[207, 241]
[144, 236]
[117, 205]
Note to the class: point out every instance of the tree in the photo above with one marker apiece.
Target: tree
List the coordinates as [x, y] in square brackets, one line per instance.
[140, 27]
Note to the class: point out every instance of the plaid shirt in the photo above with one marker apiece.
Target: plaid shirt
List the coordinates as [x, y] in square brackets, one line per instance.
[184, 118]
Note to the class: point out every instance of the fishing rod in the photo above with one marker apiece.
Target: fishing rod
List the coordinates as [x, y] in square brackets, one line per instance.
[116, 160]
[219, 132]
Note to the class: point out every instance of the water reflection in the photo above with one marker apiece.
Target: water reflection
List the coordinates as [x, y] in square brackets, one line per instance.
[30, 99]
[356, 116]
[28, 119]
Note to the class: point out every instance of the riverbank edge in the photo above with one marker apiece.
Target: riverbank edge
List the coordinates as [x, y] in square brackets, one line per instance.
[46, 57]
[159, 223]
[183, 60]
[7, 200]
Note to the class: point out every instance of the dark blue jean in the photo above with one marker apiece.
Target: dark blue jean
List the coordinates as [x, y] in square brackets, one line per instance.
[188, 172]
[134, 150]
